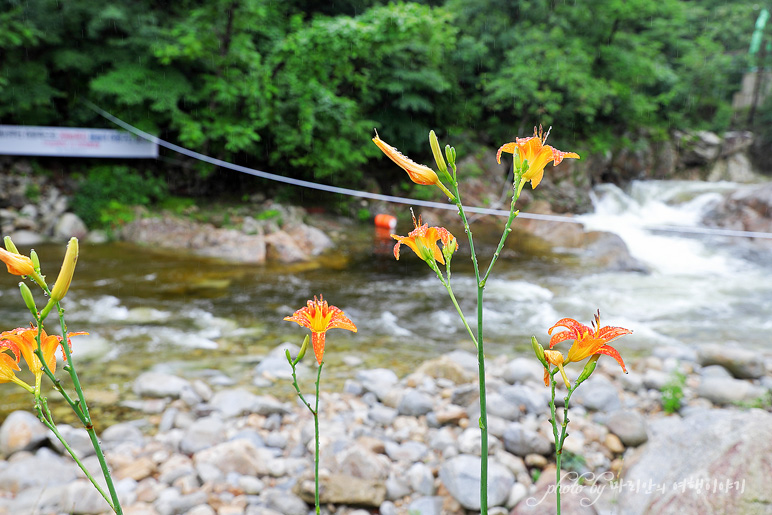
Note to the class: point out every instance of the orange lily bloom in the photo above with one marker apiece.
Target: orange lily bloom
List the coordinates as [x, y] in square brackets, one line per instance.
[16, 263]
[554, 357]
[536, 153]
[419, 174]
[319, 317]
[26, 341]
[9, 365]
[423, 240]
[588, 340]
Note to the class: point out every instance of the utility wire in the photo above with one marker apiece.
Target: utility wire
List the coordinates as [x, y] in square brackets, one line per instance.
[390, 198]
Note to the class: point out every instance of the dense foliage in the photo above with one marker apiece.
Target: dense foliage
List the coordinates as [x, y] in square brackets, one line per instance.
[297, 87]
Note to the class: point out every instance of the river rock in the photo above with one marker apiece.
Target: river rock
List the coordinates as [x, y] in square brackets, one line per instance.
[342, 489]
[698, 148]
[81, 497]
[415, 403]
[359, 462]
[426, 506]
[523, 370]
[239, 456]
[629, 426]
[461, 476]
[527, 398]
[44, 468]
[202, 434]
[446, 367]
[284, 502]
[378, 381]
[521, 441]
[741, 363]
[421, 479]
[726, 390]
[310, 239]
[609, 252]
[157, 384]
[21, 431]
[687, 459]
[69, 225]
[409, 451]
[597, 393]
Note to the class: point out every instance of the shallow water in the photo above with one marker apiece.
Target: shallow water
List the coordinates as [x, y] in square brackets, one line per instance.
[197, 318]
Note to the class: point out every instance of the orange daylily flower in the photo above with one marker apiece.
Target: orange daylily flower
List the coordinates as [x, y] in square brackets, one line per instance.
[16, 263]
[554, 357]
[423, 240]
[319, 317]
[26, 341]
[419, 174]
[536, 153]
[7, 363]
[588, 340]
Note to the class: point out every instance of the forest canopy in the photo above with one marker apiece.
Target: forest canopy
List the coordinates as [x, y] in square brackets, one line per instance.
[297, 86]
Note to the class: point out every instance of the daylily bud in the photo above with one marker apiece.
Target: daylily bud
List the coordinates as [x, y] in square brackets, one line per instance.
[539, 350]
[65, 273]
[589, 368]
[10, 247]
[35, 259]
[302, 349]
[556, 358]
[29, 300]
[441, 166]
[450, 154]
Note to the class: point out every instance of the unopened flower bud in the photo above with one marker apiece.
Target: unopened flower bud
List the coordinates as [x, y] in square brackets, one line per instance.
[435, 144]
[589, 368]
[65, 273]
[450, 154]
[539, 350]
[303, 349]
[35, 259]
[29, 300]
[9, 246]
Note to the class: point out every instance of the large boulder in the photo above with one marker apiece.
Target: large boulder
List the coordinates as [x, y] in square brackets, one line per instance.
[712, 461]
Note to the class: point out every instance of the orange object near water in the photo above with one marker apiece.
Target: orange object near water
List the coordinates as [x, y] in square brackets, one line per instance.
[386, 221]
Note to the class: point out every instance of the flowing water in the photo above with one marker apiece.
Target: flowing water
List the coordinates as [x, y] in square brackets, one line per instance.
[169, 312]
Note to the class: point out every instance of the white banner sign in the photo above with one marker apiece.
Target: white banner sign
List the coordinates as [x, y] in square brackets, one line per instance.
[21, 140]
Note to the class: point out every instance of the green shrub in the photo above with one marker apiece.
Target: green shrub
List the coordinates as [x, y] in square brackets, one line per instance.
[108, 191]
[673, 392]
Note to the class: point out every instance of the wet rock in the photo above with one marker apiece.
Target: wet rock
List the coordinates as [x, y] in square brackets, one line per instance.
[741, 363]
[461, 476]
[609, 252]
[283, 248]
[310, 239]
[629, 426]
[21, 431]
[688, 456]
[698, 148]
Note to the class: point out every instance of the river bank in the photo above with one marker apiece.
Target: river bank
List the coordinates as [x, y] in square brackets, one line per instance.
[411, 444]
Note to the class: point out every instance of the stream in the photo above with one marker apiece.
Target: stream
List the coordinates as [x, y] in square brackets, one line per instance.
[169, 312]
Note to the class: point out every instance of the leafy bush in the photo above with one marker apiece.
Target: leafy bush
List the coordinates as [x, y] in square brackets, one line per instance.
[673, 393]
[107, 191]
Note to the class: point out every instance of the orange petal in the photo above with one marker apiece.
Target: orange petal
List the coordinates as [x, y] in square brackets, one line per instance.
[611, 351]
[506, 147]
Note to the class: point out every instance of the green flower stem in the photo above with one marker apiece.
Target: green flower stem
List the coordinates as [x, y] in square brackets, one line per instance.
[315, 412]
[446, 283]
[507, 227]
[560, 439]
[44, 414]
[483, 421]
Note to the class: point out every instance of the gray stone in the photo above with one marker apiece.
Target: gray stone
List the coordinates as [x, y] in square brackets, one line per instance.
[156, 384]
[521, 441]
[69, 225]
[239, 456]
[500, 406]
[414, 403]
[527, 398]
[310, 239]
[284, 502]
[382, 415]
[387, 508]
[171, 502]
[410, 451]
[725, 390]
[122, 433]
[597, 393]
[203, 433]
[523, 370]
[714, 371]
[461, 476]
[24, 238]
[378, 381]
[741, 363]
[426, 506]
[81, 497]
[396, 487]
[44, 468]
[446, 367]
[656, 379]
[282, 247]
[629, 426]
[420, 478]
[274, 366]
[341, 489]
[712, 461]
[76, 437]
[359, 462]
[21, 431]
